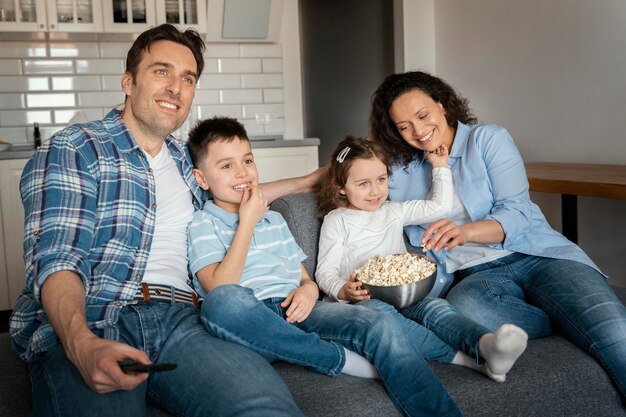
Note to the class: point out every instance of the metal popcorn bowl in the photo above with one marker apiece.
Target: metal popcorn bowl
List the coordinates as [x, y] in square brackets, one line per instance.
[401, 296]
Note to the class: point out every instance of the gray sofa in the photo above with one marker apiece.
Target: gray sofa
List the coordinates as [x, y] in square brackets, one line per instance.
[552, 378]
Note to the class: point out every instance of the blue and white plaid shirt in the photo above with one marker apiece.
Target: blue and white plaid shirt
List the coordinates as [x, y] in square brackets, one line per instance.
[89, 202]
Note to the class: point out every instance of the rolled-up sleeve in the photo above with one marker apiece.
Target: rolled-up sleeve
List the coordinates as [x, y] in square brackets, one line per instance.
[59, 195]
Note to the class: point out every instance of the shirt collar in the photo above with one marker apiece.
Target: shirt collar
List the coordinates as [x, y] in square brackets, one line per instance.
[460, 140]
[228, 218]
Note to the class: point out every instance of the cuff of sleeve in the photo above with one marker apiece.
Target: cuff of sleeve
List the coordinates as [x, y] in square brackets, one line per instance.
[48, 268]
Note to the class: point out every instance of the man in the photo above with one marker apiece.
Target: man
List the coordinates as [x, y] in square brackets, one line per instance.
[107, 205]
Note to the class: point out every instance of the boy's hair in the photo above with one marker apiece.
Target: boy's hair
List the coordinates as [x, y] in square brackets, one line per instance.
[348, 150]
[165, 32]
[216, 128]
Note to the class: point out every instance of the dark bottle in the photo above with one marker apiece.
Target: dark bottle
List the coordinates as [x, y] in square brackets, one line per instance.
[37, 136]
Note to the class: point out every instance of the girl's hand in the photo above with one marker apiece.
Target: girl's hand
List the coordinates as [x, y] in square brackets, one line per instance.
[444, 234]
[439, 157]
[253, 205]
[352, 291]
[301, 301]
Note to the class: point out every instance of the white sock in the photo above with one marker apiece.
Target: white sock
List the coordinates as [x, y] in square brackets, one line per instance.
[462, 359]
[501, 349]
[357, 365]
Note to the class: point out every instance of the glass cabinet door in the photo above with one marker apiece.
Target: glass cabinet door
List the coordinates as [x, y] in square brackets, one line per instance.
[75, 15]
[183, 13]
[23, 15]
[128, 15]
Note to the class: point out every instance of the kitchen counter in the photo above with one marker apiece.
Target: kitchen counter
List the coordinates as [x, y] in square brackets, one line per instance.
[26, 151]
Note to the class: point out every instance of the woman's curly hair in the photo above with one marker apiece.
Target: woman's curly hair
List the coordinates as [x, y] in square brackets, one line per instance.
[384, 130]
[352, 148]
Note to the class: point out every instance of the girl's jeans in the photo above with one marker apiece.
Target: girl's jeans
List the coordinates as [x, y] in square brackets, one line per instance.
[213, 377]
[233, 313]
[543, 296]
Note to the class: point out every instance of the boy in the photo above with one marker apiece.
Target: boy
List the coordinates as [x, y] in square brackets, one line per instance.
[256, 292]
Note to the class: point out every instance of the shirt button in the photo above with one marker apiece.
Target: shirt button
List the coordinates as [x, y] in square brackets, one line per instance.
[154, 206]
[137, 277]
[36, 232]
[118, 304]
[146, 243]
[150, 170]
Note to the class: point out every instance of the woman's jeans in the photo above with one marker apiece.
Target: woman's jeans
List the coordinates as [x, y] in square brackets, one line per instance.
[213, 377]
[543, 295]
[232, 312]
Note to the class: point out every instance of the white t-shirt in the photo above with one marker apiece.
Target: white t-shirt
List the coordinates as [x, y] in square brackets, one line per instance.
[348, 238]
[167, 262]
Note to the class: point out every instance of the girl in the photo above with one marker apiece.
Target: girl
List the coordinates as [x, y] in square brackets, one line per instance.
[361, 223]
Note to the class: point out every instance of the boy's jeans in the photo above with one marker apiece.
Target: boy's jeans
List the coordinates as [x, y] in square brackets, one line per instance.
[539, 294]
[233, 313]
[213, 377]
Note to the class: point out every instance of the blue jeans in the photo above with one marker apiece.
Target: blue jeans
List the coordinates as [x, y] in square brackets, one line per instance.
[213, 377]
[378, 336]
[543, 295]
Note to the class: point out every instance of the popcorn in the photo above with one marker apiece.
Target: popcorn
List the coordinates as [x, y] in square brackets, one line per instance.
[391, 270]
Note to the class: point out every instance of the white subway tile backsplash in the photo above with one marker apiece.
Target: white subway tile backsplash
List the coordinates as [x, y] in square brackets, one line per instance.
[221, 50]
[250, 111]
[206, 97]
[272, 65]
[106, 100]
[10, 67]
[22, 50]
[273, 95]
[13, 84]
[50, 100]
[48, 67]
[111, 82]
[54, 82]
[13, 134]
[216, 81]
[241, 96]
[100, 66]
[114, 49]
[63, 117]
[79, 83]
[24, 118]
[73, 50]
[261, 80]
[230, 110]
[237, 65]
[12, 101]
[261, 50]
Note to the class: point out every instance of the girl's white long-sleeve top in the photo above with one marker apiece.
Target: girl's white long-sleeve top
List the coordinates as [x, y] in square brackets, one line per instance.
[348, 237]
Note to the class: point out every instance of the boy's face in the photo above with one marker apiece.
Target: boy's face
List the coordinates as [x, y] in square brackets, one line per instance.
[227, 171]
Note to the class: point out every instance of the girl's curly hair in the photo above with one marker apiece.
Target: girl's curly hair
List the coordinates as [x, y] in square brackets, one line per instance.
[351, 149]
[384, 130]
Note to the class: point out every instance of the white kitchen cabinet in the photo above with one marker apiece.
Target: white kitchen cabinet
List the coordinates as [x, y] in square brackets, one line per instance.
[278, 163]
[23, 15]
[126, 16]
[12, 232]
[75, 16]
[244, 20]
[183, 13]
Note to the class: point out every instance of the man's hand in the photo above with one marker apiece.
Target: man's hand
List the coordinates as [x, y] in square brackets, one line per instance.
[97, 361]
[353, 291]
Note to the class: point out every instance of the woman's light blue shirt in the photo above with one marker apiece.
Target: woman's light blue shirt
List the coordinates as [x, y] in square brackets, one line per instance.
[490, 179]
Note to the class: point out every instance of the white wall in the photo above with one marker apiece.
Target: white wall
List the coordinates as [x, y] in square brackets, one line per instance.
[553, 72]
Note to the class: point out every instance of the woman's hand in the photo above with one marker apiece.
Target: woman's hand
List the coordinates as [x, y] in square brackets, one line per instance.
[352, 291]
[444, 234]
[301, 301]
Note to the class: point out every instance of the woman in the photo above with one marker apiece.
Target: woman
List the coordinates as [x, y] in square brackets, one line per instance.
[502, 261]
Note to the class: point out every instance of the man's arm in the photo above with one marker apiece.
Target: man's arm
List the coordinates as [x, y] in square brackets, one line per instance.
[280, 188]
[63, 299]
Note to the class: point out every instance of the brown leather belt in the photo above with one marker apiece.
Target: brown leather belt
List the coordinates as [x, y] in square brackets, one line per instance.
[165, 294]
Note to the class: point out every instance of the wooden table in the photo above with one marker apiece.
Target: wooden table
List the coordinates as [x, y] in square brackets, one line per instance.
[572, 180]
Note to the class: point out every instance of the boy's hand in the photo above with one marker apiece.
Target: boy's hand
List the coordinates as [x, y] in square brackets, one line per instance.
[439, 157]
[352, 291]
[253, 205]
[301, 301]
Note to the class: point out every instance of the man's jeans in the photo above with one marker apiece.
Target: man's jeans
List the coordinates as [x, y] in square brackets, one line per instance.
[213, 377]
[541, 294]
[232, 312]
